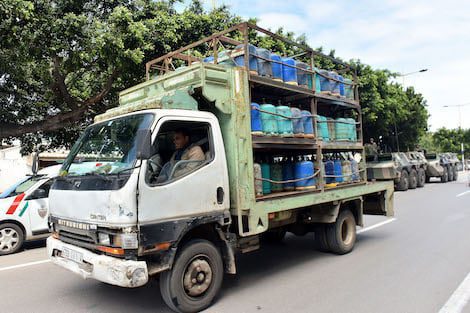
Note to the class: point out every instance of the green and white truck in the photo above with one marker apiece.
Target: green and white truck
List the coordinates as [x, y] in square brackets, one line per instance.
[114, 219]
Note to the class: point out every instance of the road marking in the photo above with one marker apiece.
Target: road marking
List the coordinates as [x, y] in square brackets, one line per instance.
[23, 265]
[375, 225]
[459, 298]
[463, 193]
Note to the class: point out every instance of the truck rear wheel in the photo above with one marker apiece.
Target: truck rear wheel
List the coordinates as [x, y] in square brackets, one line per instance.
[403, 184]
[11, 238]
[195, 278]
[321, 242]
[341, 235]
[421, 177]
[413, 179]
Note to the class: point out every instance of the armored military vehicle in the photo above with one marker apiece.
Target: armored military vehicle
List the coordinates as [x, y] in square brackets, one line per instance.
[395, 166]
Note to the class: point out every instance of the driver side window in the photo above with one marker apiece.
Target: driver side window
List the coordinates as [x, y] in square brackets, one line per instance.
[181, 147]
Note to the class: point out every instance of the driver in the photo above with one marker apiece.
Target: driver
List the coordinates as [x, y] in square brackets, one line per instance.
[184, 152]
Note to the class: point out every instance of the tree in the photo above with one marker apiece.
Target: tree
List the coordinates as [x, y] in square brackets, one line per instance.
[62, 62]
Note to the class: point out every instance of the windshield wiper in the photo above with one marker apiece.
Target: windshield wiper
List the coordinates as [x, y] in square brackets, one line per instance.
[126, 169]
[102, 176]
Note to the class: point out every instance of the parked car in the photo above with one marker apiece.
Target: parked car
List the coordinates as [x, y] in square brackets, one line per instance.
[24, 208]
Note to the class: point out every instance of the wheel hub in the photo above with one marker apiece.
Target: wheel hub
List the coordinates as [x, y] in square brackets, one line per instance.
[197, 277]
[8, 239]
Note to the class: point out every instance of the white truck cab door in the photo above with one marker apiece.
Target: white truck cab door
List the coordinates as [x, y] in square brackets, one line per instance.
[38, 208]
[187, 183]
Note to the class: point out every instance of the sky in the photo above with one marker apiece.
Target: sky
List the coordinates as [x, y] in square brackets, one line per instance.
[400, 35]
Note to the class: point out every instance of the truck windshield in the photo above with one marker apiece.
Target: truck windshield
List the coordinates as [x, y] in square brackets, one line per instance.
[107, 148]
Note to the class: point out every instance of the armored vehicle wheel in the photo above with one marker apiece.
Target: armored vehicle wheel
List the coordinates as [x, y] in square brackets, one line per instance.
[341, 235]
[413, 179]
[456, 173]
[445, 175]
[11, 238]
[451, 173]
[421, 177]
[195, 278]
[403, 184]
[428, 179]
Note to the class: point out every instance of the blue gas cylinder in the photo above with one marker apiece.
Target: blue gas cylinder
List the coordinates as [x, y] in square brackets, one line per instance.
[276, 175]
[256, 124]
[276, 67]
[268, 120]
[307, 122]
[304, 169]
[284, 124]
[352, 129]
[209, 59]
[348, 89]
[338, 171]
[355, 170]
[341, 85]
[297, 124]
[342, 129]
[302, 75]
[288, 173]
[264, 64]
[331, 128]
[266, 174]
[239, 55]
[317, 81]
[289, 73]
[322, 128]
[329, 171]
[325, 85]
[334, 83]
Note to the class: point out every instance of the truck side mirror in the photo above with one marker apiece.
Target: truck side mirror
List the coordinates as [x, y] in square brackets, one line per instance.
[144, 144]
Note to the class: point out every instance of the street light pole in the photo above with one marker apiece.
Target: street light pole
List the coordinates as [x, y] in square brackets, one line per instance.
[403, 83]
[459, 106]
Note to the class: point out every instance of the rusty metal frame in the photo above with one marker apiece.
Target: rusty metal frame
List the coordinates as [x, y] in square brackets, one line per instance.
[165, 62]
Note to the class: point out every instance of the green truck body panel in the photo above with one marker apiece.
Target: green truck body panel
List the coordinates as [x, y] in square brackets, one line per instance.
[225, 92]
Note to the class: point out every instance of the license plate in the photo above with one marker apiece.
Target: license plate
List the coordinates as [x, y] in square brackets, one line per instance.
[72, 255]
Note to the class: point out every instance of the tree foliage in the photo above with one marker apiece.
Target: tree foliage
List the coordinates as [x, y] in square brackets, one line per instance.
[64, 61]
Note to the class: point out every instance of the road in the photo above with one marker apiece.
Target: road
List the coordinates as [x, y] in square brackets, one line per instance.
[413, 264]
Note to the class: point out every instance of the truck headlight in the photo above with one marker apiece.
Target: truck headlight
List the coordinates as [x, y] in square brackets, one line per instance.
[104, 239]
[126, 241]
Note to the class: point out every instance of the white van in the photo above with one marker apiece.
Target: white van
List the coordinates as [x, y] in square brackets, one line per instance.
[24, 208]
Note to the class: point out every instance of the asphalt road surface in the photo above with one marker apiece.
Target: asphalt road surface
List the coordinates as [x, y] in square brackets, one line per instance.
[416, 263]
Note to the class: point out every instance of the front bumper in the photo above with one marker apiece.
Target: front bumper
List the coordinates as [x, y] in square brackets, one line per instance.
[114, 271]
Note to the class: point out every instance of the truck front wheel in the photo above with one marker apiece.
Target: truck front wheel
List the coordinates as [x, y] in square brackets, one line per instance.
[195, 278]
[341, 235]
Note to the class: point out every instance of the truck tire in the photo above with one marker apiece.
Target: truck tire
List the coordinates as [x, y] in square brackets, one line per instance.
[413, 179]
[403, 184]
[195, 278]
[450, 173]
[321, 242]
[445, 175]
[421, 177]
[341, 235]
[11, 238]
